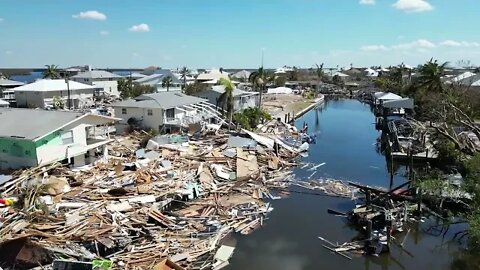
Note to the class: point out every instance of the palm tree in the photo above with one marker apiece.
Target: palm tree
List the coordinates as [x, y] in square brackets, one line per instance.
[431, 74]
[320, 73]
[51, 72]
[258, 80]
[183, 75]
[167, 82]
[226, 98]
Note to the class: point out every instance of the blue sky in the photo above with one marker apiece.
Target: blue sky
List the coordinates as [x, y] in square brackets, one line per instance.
[233, 33]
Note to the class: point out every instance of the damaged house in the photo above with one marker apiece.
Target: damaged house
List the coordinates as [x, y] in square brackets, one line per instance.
[164, 112]
[50, 136]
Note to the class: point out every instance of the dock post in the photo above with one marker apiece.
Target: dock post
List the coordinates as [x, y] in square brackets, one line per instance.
[389, 233]
[293, 117]
[368, 196]
[419, 198]
[369, 229]
[286, 118]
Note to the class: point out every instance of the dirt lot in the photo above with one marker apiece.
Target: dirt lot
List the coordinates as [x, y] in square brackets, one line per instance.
[280, 104]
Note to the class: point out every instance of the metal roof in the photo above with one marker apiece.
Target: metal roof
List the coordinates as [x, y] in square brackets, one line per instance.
[236, 92]
[40, 122]
[46, 85]
[96, 74]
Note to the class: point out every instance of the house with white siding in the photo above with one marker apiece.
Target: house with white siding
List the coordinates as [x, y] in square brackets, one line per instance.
[44, 93]
[165, 112]
[50, 136]
[6, 92]
[156, 81]
[101, 79]
[241, 99]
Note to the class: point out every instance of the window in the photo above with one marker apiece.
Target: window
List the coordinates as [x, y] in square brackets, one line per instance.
[124, 110]
[150, 112]
[67, 137]
[171, 113]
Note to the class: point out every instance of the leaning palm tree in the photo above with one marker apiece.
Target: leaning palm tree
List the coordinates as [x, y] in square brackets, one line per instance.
[320, 73]
[431, 74]
[51, 72]
[226, 98]
[183, 75]
[167, 82]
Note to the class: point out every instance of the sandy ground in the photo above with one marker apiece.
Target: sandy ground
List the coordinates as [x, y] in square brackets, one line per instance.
[280, 104]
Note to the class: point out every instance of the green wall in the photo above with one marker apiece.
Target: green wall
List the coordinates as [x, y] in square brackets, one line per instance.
[52, 138]
[18, 148]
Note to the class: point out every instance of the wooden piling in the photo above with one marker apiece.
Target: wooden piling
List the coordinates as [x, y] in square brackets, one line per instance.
[369, 229]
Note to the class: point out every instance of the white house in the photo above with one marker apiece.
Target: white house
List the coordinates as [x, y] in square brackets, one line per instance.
[156, 80]
[212, 76]
[43, 94]
[101, 79]
[241, 99]
[6, 92]
[50, 136]
[165, 111]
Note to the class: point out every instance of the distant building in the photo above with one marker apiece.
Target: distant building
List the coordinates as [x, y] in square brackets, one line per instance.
[50, 136]
[212, 76]
[164, 112]
[6, 92]
[43, 94]
[101, 79]
[156, 81]
[241, 99]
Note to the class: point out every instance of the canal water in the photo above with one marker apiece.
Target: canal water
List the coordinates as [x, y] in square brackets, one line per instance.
[346, 143]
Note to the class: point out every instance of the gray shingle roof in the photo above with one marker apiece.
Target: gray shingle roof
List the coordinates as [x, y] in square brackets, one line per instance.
[97, 74]
[164, 100]
[31, 124]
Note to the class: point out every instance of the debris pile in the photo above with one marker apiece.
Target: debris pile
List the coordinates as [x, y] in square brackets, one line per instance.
[171, 203]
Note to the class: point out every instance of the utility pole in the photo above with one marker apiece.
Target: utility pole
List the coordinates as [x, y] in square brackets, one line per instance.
[69, 102]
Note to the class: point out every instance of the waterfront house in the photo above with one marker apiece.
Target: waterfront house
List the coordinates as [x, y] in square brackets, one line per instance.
[6, 92]
[106, 81]
[241, 99]
[165, 112]
[50, 136]
[44, 93]
[156, 81]
[242, 75]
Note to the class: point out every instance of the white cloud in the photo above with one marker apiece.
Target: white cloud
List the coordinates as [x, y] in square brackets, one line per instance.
[139, 28]
[8, 52]
[421, 43]
[454, 43]
[104, 33]
[413, 5]
[367, 2]
[2, 19]
[373, 48]
[90, 15]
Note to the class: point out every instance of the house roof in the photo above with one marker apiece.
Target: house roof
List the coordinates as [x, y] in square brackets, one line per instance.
[6, 82]
[40, 122]
[390, 96]
[214, 74]
[164, 100]
[406, 103]
[46, 85]
[242, 74]
[473, 80]
[155, 79]
[236, 92]
[96, 74]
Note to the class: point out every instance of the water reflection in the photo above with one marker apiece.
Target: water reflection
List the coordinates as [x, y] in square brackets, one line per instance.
[346, 143]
